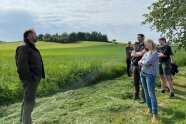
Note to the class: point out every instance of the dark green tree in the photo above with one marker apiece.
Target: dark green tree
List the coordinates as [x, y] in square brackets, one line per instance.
[169, 18]
[40, 37]
[47, 37]
[81, 36]
[88, 37]
[72, 37]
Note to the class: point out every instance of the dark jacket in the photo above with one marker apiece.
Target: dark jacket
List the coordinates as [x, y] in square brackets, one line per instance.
[174, 69]
[139, 47]
[128, 52]
[29, 62]
[166, 50]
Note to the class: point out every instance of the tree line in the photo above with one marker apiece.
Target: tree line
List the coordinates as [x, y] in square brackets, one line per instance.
[73, 37]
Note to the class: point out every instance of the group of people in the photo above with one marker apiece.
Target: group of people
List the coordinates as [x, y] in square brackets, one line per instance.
[144, 60]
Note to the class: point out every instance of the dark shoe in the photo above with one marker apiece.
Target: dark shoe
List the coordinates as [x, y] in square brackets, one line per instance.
[171, 95]
[168, 90]
[162, 91]
[135, 97]
[142, 98]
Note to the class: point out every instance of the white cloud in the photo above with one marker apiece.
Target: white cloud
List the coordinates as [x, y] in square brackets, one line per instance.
[120, 19]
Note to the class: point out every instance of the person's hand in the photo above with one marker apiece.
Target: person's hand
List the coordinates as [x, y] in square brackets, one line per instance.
[140, 63]
[133, 52]
[161, 55]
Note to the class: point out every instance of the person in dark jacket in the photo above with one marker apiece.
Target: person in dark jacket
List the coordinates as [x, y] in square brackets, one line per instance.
[129, 50]
[30, 70]
[165, 54]
[137, 54]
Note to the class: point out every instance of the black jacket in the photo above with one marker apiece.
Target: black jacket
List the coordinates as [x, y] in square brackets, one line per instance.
[174, 69]
[29, 62]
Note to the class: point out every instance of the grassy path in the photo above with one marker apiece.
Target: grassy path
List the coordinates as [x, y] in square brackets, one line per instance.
[103, 103]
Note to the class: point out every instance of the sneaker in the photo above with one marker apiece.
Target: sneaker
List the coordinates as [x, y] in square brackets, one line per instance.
[171, 95]
[162, 91]
[135, 97]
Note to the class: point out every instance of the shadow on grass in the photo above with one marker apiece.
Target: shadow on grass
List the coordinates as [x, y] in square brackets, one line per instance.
[176, 115]
[90, 79]
[179, 92]
[180, 85]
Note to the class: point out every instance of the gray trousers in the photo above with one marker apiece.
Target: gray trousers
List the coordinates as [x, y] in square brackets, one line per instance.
[28, 103]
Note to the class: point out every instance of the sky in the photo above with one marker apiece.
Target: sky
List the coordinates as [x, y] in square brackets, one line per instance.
[119, 19]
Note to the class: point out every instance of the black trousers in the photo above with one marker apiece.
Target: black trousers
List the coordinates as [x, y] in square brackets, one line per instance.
[128, 61]
[137, 82]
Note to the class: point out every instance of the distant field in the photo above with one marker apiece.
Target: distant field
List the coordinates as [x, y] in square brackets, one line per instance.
[65, 64]
[50, 45]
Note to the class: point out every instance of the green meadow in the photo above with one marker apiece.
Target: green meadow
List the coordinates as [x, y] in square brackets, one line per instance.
[86, 83]
[66, 66]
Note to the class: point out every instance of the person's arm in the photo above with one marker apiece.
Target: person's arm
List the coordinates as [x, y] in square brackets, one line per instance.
[141, 53]
[165, 53]
[150, 60]
[161, 55]
[172, 59]
[171, 56]
[133, 54]
[142, 60]
[131, 49]
[126, 50]
[138, 54]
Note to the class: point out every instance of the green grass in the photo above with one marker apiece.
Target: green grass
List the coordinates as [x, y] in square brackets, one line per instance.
[70, 95]
[179, 56]
[46, 45]
[107, 102]
[66, 65]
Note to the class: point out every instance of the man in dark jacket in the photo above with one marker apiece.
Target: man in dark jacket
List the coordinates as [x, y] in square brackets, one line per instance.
[129, 50]
[137, 54]
[30, 69]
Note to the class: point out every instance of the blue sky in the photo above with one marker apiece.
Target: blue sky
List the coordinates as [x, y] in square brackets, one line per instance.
[119, 19]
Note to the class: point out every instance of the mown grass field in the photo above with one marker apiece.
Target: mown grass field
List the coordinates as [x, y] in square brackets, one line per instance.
[70, 67]
[107, 102]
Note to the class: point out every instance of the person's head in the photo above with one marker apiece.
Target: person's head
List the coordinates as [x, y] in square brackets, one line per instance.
[150, 45]
[140, 37]
[162, 41]
[30, 35]
[129, 43]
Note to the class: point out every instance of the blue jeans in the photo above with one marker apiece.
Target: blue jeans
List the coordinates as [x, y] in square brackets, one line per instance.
[148, 83]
